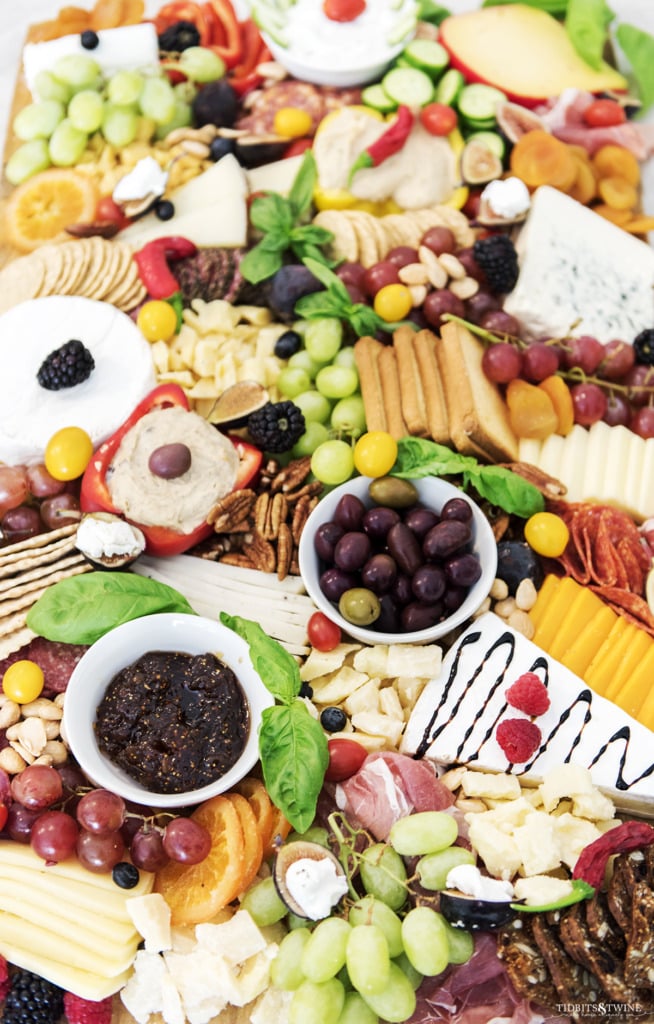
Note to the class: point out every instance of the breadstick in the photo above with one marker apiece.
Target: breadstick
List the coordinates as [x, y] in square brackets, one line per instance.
[437, 418]
[390, 382]
[366, 352]
[414, 408]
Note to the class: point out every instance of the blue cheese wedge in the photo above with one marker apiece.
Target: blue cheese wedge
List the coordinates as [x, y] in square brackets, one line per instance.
[576, 268]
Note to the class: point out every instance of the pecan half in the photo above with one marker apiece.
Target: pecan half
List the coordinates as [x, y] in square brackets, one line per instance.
[284, 551]
[292, 476]
[261, 553]
[232, 510]
[301, 512]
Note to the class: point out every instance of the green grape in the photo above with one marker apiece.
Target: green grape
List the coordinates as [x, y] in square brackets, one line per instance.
[370, 910]
[201, 64]
[47, 87]
[182, 118]
[425, 832]
[461, 944]
[384, 875]
[292, 382]
[424, 934]
[314, 406]
[345, 357]
[157, 100]
[324, 954]
[405, 965]
[185, 91]
[332, 462]
[124, 88]
[119, 125]
[337, 381]
[314, 435]
[67, 143]
[356, 1011]
[317, 1003]
[285, 971]
[367, 959]
[86, 111]
[303, 361]
[28, 159]
[38, 120]
[349, 416]
[297, 923]
[78, 71]
[323, 339]
[315, 834]
[434, 868]
[263, 903]
[396, 1002]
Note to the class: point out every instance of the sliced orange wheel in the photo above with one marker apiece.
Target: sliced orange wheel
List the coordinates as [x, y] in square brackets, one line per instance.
[40, 209]
[196, 892]
[252, 844]
[256, 794]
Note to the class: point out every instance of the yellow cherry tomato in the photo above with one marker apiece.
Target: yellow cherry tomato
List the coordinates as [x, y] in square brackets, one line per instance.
[157, 320]
[292, 123]
[68, 453]
[375, 453]
[23, 681]
[547, 534]
[393, 302]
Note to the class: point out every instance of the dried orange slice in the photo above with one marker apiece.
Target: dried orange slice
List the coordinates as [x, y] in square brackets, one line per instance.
[39, 210]
[256, 794]
[252, 845]
[280, 829]
[196, 892]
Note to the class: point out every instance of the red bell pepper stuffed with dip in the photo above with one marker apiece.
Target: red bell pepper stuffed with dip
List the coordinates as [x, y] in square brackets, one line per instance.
[164, 470]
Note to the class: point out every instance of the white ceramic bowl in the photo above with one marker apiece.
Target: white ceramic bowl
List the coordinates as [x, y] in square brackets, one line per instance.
[114, 651]
[339, 77]
[433, 493]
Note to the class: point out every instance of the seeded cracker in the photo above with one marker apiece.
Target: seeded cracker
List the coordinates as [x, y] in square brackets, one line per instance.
[21, 280]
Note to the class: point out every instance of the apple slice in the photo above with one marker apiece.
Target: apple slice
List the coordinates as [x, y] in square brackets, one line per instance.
[522, 51]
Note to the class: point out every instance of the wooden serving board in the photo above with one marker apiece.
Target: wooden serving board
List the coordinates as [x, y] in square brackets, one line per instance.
[21, 98]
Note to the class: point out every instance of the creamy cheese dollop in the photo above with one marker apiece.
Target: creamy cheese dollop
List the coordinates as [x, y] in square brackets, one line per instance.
[507, 197]
[469, 880]
[145, 179]
[98, 537]
[315, 886]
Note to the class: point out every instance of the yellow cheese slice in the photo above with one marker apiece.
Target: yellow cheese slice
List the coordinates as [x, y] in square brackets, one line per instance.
[634, 691]
[646, 713]
[67, 976]
[638, 647]
[606, 662]
[24, 856]
[75, 900]
[585, 605]
[53, 946]
[581, 653]
[545, 595]
[556, 613]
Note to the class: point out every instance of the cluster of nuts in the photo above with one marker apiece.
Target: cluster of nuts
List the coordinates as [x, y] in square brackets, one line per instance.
[513, 609]
[432, 271]
[33, 733]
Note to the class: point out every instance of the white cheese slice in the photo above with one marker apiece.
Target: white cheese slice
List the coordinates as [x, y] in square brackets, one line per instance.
[275, 177]
[456, 717]
[131, 47]
[577, 266]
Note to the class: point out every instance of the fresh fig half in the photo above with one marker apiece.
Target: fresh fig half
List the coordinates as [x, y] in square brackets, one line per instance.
[474, 914]
[479, 165]
[107, 541]
[515, 121]
[236, 403]
[329, 877]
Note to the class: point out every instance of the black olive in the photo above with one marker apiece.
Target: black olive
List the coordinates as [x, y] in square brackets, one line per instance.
[89, 39]
[125, 875]
[306, 691]
[333, 719]
[288, 344]
[221, 147]
[164, 209]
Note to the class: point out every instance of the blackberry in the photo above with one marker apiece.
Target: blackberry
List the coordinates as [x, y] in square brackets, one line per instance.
[277, 426]
[32, 1000]
[644, 346]
[498, 259]
[180, 36]
[68, 365]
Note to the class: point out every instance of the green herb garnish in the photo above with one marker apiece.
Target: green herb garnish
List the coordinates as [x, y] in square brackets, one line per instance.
[81, 609]
[418, 457]
[586, 22]
[292, 745]
[335, 302]
[638, 48]
[281, 221]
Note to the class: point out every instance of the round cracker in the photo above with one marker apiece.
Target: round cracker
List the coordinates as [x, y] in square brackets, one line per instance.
[95, 268]
[366, 237]
[345, 245]
[113, 272]
[21, 280]
[78, 252]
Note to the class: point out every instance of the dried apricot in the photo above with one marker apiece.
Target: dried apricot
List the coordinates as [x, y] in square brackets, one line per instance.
[617, 192]
[616, 160]
[619, 217]
[559, 393]
[584, 187]
[540, 159]
[639, 225]
[531, 410]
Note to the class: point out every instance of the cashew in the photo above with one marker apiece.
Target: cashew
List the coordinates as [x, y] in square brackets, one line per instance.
[56, 750]
[13, 732]
[11, 761]
[24, 753]
[52, 729]
[9, 714]
[44, 759]
[42, 708]
[59, 700]
[31, 734]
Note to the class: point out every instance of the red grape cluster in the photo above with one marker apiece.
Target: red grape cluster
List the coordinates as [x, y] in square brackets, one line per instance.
[54, 811]
[31, 501]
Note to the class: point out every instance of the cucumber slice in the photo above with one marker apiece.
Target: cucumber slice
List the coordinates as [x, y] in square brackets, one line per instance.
[427, 55]
[479, 102]
[408, 86]
[449, 87]
[376, 97]
[491, 140]
[468, 125]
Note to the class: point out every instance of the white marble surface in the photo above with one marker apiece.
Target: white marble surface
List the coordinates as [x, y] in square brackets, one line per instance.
[17, 16]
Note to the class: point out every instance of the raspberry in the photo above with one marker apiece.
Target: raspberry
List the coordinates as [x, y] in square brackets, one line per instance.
[518, 738]
[529, 694]
[86, 1011]
[5, 983]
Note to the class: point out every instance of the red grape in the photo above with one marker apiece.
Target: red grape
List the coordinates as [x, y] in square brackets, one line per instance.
[479, 304]
[185, 841]
[71, 777]
[13, 487]
[99, 853]
[467, 258]
[502, 362]
[640, 381]
[538, 362]
[54, 836]
[585, 352]
[20, 822]
[378, 276]
[101, 812]
[41, 483]
[355, 293]
[20, 523]
[500, 323]
[642, 421]
[402, 255]
[38, 786]
[351, 273]
[439, 240]
[618, 410]
[589, 403]
[147, 850]
[619, 357]
[60, 510]
[439, 302]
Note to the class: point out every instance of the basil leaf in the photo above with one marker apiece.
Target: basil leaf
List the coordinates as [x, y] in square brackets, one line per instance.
[317, 305]
[271, 213]
[81, 609]
[278, 669]
[638, 47]
[505, 489]
[294, 758]
[586, 22]
[418, 457]
[302, 189]
[258, 265]
[336, 287]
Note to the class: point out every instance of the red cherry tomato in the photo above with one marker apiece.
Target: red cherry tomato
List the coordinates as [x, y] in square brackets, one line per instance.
[297, 147]
[345, 758]
[438, 118]
[343, 10]
[604, 114]
[107, 209]
[323, 634]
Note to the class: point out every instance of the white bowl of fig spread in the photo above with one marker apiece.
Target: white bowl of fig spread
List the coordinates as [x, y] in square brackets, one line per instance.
[165, 710]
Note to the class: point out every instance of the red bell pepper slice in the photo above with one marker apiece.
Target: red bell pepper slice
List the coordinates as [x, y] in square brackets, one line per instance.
[231, 51]
[95, 495]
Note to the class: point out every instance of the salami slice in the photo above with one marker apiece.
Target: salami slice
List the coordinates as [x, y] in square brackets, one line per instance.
[56, 659]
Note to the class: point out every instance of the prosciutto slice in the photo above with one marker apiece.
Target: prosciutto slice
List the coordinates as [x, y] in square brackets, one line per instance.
[387, 787]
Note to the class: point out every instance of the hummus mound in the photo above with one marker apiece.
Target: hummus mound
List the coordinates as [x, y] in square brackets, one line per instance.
[183, 503]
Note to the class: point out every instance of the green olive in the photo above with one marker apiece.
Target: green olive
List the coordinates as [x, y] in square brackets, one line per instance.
[359, 606]
[393, 492]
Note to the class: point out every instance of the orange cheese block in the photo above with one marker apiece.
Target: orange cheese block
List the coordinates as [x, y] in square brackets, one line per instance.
[633, 693]
[639, 645]
[584, 607]
[551, 584]
[581, 653]
[556, 613]
[606, 662]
